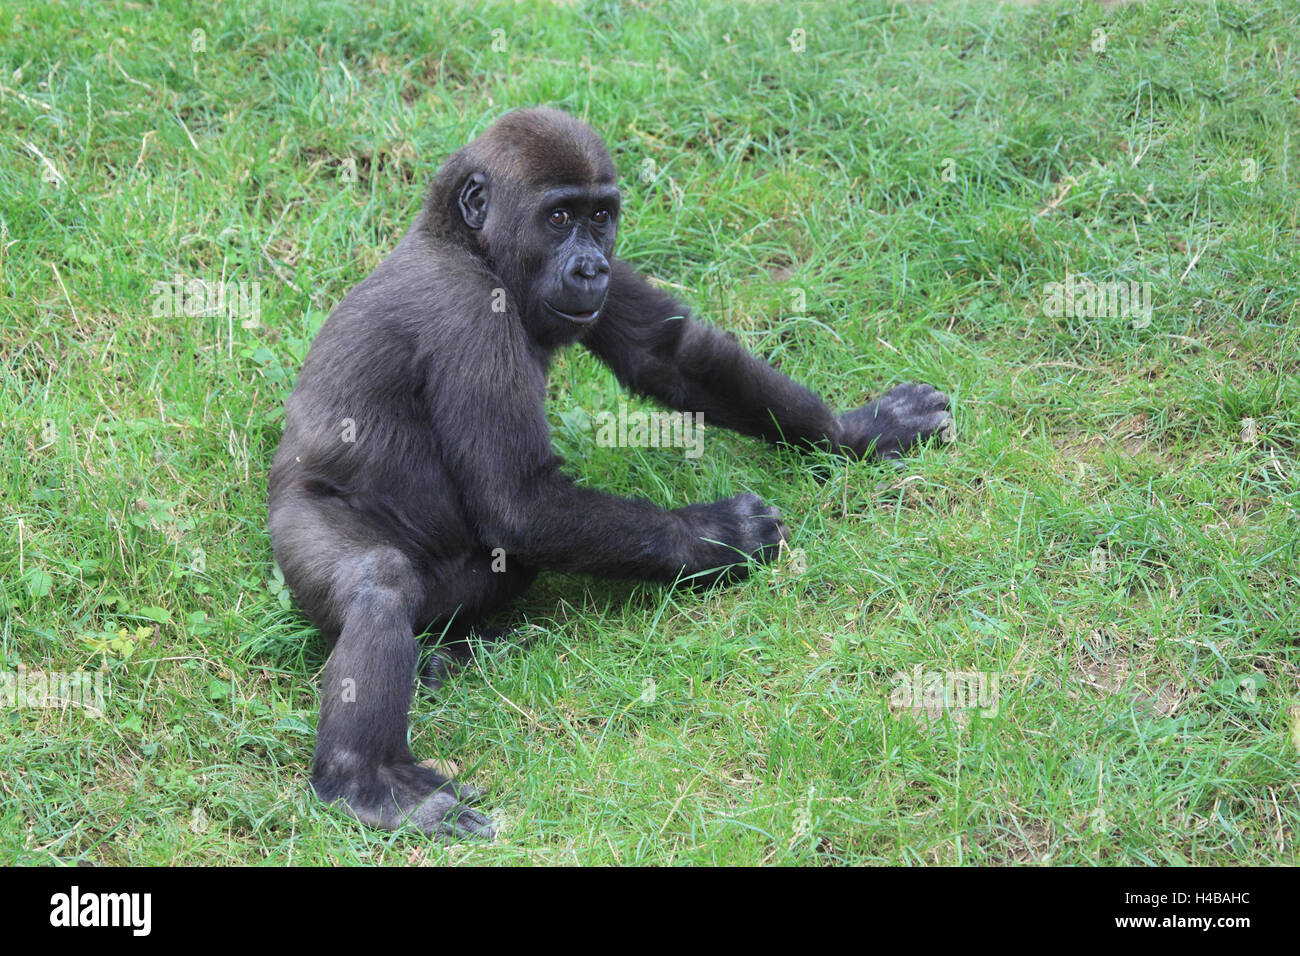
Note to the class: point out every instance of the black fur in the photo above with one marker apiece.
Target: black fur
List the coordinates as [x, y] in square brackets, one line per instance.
[416, 443]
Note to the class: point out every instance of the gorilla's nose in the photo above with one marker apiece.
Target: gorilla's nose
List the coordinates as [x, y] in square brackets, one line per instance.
[590, 273]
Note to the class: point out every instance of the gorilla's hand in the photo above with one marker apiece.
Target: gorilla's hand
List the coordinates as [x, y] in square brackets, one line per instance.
[893, 423]
[722, 536]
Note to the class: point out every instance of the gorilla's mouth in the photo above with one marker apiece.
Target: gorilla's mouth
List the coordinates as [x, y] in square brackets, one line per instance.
[581, 318]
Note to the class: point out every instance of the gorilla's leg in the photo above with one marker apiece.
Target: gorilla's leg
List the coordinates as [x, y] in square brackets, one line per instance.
[481, 592]
[370, 600]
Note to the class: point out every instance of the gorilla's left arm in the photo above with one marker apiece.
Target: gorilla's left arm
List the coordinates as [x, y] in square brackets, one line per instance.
[655, 349]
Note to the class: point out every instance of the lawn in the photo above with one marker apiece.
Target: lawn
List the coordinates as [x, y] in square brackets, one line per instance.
[1069, 636]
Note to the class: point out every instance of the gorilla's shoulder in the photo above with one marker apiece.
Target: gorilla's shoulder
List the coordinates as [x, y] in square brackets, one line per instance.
[420, 288]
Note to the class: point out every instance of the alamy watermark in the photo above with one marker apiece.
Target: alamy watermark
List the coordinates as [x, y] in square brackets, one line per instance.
[651, 430]
[77, 908]
[1078, 297]
[48, 690]
[933, 691]
[195, 297]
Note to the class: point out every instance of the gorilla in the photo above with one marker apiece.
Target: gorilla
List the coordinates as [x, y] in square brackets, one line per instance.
[415, 489]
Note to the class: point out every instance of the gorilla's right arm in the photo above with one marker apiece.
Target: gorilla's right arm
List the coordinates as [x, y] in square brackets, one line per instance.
[656, 349]
[488, 393]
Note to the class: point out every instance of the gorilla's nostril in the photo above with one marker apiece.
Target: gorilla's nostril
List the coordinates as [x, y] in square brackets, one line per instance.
[589, 266]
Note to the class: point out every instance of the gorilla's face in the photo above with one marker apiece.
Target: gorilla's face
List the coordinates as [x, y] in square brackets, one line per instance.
[550, 245]
[574, 230]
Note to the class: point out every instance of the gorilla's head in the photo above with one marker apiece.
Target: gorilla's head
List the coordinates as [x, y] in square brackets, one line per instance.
[536, 197]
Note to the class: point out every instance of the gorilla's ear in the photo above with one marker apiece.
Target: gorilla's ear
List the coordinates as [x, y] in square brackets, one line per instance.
[474, 201]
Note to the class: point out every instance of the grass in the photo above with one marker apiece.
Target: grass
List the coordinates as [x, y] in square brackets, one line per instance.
[1112, 538]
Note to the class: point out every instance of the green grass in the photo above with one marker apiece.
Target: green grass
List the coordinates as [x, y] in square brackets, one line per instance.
[1105, 537]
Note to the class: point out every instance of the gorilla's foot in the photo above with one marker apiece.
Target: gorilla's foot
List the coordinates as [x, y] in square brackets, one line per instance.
[396, 795]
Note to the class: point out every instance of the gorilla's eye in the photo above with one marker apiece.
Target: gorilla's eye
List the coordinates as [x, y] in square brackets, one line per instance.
[559, 217]
[600, 216]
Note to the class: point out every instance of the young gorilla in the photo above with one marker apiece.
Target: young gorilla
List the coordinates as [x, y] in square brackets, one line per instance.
[416, 443]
